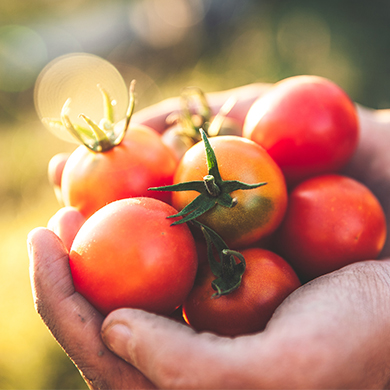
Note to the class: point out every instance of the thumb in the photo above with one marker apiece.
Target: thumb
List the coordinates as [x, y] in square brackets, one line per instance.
[171, 354]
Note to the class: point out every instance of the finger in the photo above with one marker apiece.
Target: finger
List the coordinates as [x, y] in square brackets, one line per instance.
[55, 169]
[65, 223]
[71, 319]
[330, 333]
[335, 329]
[173, 356]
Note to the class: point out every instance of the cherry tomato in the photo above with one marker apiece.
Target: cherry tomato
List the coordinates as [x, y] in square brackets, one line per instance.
[331, 221]
[267, 281]
[90, 179]
[128, 255]
[307, 124]
[258, 211]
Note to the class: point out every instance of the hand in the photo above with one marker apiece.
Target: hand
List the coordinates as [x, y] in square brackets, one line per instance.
[74, 323]
[332, 332]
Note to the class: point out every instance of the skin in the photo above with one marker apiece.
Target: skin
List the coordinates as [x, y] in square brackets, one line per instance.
[329, 333]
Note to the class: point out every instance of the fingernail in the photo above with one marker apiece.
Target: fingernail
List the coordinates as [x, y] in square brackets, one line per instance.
[117, 338]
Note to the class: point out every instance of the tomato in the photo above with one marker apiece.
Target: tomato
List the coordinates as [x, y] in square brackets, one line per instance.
[307, 124]
[128, 255]
[258, 211]
[267, 281]
[90, 179]
[331, 221]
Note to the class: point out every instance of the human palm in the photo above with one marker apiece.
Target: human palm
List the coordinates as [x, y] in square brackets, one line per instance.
[330, 333]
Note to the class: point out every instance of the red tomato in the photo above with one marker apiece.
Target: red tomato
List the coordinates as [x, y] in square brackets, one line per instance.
[267, 281]
[307, 124]
[90, 179]
[331, 221]
[259, 211]
[128, 255]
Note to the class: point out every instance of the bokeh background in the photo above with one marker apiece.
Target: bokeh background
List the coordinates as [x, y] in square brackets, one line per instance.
[165, 45]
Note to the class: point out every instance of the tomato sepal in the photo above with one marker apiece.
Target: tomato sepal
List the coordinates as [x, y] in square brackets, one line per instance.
[213, 189]
[227, 271]
[96, 137]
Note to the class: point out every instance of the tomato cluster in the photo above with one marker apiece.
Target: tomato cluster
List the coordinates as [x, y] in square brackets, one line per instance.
[226, 226]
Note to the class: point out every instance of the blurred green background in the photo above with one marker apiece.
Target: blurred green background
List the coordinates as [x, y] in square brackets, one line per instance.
[165, 45]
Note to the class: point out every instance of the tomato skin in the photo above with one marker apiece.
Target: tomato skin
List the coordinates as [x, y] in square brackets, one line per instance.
[259, 211]
[331, 221]
[266, 282]
[307, 124]
[90, 180]
[128, 255]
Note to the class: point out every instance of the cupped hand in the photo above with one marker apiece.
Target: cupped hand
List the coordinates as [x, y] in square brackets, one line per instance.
[74, 323]
[330, 333]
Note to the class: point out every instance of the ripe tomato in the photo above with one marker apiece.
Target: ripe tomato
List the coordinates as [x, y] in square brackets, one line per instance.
[331, 221]
[128, 255]
[90, 179]
[259, 211]
[307, 124]
[267, 281]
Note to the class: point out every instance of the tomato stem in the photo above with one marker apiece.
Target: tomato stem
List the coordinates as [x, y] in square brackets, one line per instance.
[97, 137]
[213, 189]
[228, 272]
[211, 186]
[216, 124]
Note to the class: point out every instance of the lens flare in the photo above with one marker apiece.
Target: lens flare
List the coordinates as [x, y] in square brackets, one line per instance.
[78, 79]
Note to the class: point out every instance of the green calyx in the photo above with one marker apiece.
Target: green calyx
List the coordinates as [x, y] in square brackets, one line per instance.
[227, 270]
[196, 114]
[212, 189]
[97, 137]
